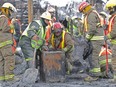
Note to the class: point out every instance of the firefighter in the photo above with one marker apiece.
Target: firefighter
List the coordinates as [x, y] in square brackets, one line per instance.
[80, 44]
[34, 37]
[93, 36]
[69, 24]
[49, 30]
[16, 33]
[106, 67]
[7, 60]
[77, 25]
[111, 8]
[61, 40]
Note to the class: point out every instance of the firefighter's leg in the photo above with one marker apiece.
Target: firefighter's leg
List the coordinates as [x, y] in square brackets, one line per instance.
[1, 67]
[95, 67]
[69, 63]
[9, 62]
[28, 52]
[102, 62]
[89, 77]
[114, 61]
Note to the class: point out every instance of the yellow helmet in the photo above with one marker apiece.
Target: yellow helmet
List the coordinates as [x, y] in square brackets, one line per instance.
[46, 15]
[110, 4]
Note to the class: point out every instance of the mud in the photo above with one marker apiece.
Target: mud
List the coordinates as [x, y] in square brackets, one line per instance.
[69, 82]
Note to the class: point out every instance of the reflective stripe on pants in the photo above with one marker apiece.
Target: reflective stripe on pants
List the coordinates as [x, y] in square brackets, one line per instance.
[95, 70]
[102, 62]
[6, 77]
[2, 44]
[28, 59]
[97, 38]
[113, 42]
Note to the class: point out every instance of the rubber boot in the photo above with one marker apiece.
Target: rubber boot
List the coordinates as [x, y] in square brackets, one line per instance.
[112, 80]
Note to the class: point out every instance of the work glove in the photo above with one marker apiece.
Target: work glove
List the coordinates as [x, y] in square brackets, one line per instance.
[51, 48]
[45, 48]
[35, 37]
[65, 49]
[88, 37]
[99, 25]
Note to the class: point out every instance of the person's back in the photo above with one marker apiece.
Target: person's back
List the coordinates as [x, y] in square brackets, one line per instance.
[93, 36]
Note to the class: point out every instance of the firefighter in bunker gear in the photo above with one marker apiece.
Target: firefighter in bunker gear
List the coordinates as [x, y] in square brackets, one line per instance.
[33, 37]
[49, 30]
[7, 60]
[61, 40]
[77, 25]
[93, 35]
[111, 8]
[105, 54]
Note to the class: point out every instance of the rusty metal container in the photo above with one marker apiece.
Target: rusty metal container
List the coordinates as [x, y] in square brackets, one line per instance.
[52, 67]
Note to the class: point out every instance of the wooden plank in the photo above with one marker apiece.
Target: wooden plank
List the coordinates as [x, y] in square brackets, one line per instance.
[30, 10]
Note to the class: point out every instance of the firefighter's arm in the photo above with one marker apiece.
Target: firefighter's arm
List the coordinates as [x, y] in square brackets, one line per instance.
[33, 29]
[92, 25]
[68, 42]
[112, 35]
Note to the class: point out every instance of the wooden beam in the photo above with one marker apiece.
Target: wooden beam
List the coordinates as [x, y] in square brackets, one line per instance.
[30, 10]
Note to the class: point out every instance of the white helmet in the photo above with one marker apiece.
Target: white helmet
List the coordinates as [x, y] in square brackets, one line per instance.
[46, 15]
[9, 6]
[50, 9]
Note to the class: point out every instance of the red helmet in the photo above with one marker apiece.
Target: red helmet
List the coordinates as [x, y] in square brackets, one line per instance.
[57, 25]
[82, 6]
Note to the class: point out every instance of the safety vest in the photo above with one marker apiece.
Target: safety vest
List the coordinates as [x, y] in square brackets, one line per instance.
[11, 26]
[62, 43]
[5, 43]
[111, 24]
[48, 33]
[86, 26]
[40, 33]
[86, 17]
[9, 23]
